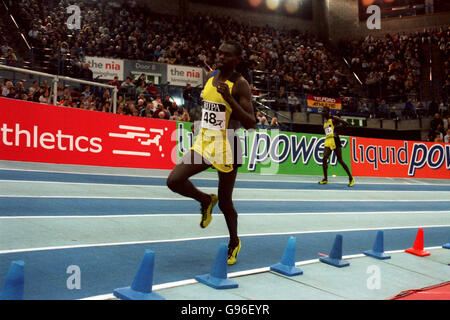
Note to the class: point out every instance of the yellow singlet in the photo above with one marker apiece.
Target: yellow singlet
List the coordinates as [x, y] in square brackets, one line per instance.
[329, 133]
[212, 142]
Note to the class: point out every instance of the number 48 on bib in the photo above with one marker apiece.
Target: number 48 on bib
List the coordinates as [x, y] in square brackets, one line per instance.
[213, 120]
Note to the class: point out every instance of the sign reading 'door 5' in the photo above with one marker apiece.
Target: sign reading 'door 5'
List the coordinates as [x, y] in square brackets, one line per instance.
[154, 71]
[182, 75]
[106, 68]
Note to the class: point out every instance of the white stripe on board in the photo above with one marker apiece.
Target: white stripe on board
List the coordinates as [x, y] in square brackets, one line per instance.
[122, 126]
[129, 135]
[132, 153]
[212, 237]
[174, 215]
[180, 283]
[215, 178]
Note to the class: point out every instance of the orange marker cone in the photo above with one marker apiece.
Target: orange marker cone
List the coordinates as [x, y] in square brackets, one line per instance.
[417, 249]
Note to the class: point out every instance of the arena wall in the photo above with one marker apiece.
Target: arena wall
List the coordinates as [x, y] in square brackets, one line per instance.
[344, 22]
[333, 19]
[43, 133]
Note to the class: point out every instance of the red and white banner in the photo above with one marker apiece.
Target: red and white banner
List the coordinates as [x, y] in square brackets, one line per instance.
[106, 68]
[182, 75]
[43, 133]
[399, 158]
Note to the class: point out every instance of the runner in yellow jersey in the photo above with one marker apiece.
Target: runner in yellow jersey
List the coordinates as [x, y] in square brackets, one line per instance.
[227, 106]
[333, 143]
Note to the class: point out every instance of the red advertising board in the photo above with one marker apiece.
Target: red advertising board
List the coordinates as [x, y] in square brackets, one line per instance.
[43, 133]
[399, 158]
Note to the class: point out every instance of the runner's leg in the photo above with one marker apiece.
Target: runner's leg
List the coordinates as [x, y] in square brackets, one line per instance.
[226, 186]
[178, 180]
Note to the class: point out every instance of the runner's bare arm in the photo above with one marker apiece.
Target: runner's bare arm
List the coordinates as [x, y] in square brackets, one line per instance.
[339, 120]
[240, 101]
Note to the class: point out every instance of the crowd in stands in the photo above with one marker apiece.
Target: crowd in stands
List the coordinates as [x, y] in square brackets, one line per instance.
[7, 53]
[443, 41]
[148, 103]
[295, 62]
[144, 104]
[439, 128]
[285, 64]
[390, 65]
[262, 122]
[291, 59]
[440, 124]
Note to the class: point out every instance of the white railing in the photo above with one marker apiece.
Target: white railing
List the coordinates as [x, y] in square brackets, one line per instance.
[56, 79]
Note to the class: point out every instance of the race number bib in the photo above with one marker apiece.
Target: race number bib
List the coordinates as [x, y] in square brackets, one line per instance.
[213, 120]
[328, 131]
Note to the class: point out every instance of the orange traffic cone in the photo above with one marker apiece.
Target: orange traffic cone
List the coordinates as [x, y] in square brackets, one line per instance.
[417, 249]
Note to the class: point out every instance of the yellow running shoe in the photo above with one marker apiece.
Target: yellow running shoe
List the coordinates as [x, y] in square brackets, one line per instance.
[233, 253]
[323, 181]
[352, 182]
[207, 212]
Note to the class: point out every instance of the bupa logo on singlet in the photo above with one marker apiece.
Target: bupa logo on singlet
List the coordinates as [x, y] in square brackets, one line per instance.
[214, 106]
[421, 156]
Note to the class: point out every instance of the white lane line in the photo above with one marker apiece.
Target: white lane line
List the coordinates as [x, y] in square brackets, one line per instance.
[213, 237]
[234, 199]
[180, 283]
[349, 190]
[208, 178]
[149, 185]
[175, 215]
